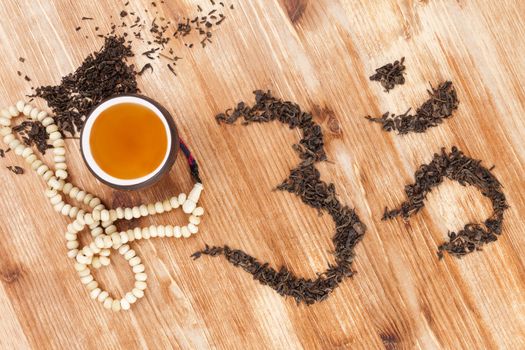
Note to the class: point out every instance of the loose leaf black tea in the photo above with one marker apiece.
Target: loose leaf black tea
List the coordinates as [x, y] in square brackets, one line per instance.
[15, 169]
[33, 133]
[390, 74]
[305, 182]
[442, 102]
[467, 171]
[102, 74]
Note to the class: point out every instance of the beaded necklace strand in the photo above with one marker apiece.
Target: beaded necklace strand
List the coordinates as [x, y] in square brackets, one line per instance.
[100, 220]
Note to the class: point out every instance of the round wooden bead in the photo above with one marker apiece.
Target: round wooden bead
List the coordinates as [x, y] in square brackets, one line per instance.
[129, 254]
[20, 149]
[124, 304]
[14, 144]
[59, 151]
[134, 261]
[174, 202]
[104, 215]
[61, 174]
[72, 254]
[120, 213]
[152, 231]
[8, 138]
[166, 205]
[141, 276]
[27, 110]
[128, 214]
[124, 249]
[20, 106]
[151, 209]
[94, 202]
[65, 209]
[199, 211]
[159, 209]
[51, 128]
[181, 198]
[104, 260]
[34, 112]
[47, 121]
[100, 207]
[192, 228]
[13, 111]
[138, 293]
[131, 235]
[47, 175]
[92, 285]
[112, 215]
[135, 212]
[96, 215]
[59, 159]
[95, 293]
[137, 233]
[143, 210]
[73, 212]
[88, 198]
[161, 231]
[96, 263]
[58, 143]
[124, 237]
[168, 230]
[139, 268]
[131, 298]
[115, 306]
[195, 220]
[80, 267]
[86, 279]
[177, 232]
[141, 285]
[102, 296]
[185, 232]
[99, 241]
[42, 169]
[145, 233]
[27, 152]
[41, 116]
[31, 159]
[72, 244]
[108, 303]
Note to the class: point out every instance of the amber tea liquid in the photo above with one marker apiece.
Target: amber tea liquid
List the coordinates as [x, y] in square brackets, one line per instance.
[128, 141]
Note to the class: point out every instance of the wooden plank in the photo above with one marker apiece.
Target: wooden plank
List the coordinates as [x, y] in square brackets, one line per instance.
[319, 54]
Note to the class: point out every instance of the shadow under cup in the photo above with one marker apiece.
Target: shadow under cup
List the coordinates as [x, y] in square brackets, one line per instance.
[148, 179]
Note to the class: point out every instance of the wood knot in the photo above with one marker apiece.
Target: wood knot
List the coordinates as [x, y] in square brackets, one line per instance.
[295, 9]
[327, 116]
[10, 275]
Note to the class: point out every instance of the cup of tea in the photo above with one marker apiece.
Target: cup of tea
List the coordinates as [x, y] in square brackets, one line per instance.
[129, 141]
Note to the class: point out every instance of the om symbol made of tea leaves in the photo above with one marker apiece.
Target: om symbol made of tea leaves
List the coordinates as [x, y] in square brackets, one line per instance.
[304, 181]
[467, 171]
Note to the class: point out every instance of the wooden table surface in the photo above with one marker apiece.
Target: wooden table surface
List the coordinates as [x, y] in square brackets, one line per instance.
[319, 54]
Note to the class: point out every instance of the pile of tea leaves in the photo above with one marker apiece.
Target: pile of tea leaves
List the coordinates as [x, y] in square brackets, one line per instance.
[305, 182]
[33, 133]
[466, 171]
[390, 74]
[442, 102]
[157, 31]
[102, 74]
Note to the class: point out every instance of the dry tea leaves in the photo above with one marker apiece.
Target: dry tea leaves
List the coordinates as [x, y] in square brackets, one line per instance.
[33, 133]
[467, 171]
[305, 182]
[390, 74]
[102, 74]
[442, 102]
[15, 169]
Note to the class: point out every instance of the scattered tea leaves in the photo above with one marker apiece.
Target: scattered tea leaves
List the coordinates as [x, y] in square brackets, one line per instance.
[15, 169]
[467, 171]
[33, 133]
[305, 182]
[145, 68]
[390, 74]
[442, 102]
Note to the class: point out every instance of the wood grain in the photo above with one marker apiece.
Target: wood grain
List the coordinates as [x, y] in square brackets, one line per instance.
[319, 54]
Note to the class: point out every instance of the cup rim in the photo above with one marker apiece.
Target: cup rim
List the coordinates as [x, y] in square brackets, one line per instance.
[145, 181]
